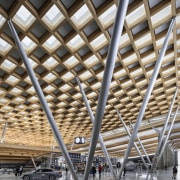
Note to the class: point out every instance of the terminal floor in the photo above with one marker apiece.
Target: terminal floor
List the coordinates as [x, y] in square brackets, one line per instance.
[161, 175]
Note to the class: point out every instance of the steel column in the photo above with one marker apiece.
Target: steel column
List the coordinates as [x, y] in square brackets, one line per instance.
[50, 160]
[129, 134]
[42, 99]
[167, 119]
[167, 136]
[112, 54]
[92, 120]
[34, 163]
[143, 148]
[147, 96]
[164, 128]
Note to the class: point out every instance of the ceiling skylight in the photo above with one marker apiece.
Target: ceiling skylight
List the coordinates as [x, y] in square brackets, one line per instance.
[2, 20]
[136, 16]
[85, 75]
[65, 87]
[51, 44]
[143, 41]
[12, 80]
[49, 89]
[100, 75]
[149, 58]
[28, 44]
[126, 83]
[49, 77]
[2, 92]
[83, 86]
[130, 59]
[99, 42]
[19, 99]
[160, 41]
[15, 91]
[23, 18]
[91, 61]
[61, 104]
[92, 94]
[136, 72]
[49, 97]
[8, 108]
[161, 16]
[120, 73]
[33, 99]
[4, 47]
[77, 95]
[8, 65]
[107, 18]
[63, 97]
[82, 16]
[68, 76]
[53, 17]
[124, 40]
[50, 63]
[3, 101]
[76, 42]
[31, 90]
[32, 62]
[71, 62]
[28, 80]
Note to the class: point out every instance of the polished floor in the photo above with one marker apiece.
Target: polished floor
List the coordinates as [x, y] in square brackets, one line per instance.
[161, 175]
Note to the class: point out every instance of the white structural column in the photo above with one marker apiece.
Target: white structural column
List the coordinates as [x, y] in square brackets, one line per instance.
[167, 137]
[42, 99]
[164, 129]
[112, 54]
[143, 148]
[50, 160]
[92, 120]
[129, 134]
[147, 96]
[34, 162]
[167, 118]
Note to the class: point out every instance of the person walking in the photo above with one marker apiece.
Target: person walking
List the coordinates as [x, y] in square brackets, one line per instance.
[17, 171]
[174, 172]
[100, 169]
[20, 170]
[66, 170]
[124, 173]
[93, 171]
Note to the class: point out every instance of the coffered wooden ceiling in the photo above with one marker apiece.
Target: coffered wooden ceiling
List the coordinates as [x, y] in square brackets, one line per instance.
[65, 39]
